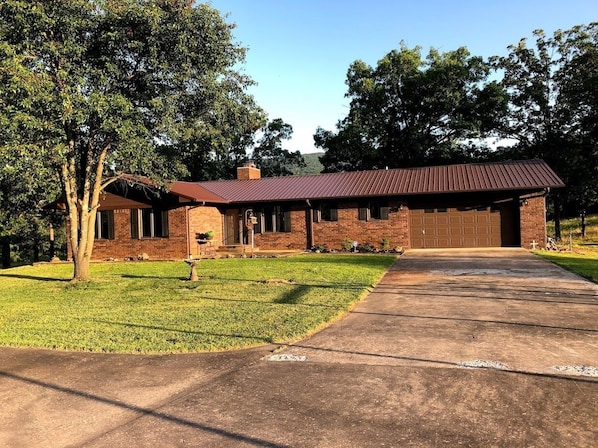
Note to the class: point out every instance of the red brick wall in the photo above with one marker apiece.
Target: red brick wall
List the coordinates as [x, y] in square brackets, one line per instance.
[332, 233]
[295, 239]
[181, 238]
[123, 246]
[202, 219]
[532, 214]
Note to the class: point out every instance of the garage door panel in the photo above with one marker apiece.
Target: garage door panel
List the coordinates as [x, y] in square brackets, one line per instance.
[443, 231]
[483, 231]
[470, 241]
[444, 242]
[417, 220]
[470, 231]
[456, 227]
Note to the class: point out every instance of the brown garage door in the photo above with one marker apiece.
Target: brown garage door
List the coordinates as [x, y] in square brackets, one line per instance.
[455, 227]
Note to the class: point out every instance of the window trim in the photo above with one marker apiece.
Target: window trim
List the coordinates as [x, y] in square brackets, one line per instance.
[374, 211]
[104, 217]
[273, 219]
[318, 215]
[158, 227]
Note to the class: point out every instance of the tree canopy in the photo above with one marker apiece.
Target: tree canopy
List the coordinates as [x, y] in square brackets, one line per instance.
[552, 87]
[411, 111]
[24, 190]
[543, 98]
[98, 88]
[269, 154]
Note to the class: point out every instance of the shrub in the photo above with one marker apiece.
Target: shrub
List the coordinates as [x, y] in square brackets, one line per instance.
[347, 245]
[385, 244]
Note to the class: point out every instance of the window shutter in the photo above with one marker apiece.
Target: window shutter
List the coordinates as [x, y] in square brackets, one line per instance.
[316, 213]
[134, 223]
[287, 221]
[164, 229]
[384, 212]
[333, 214]
[363, 213]
[110, 217]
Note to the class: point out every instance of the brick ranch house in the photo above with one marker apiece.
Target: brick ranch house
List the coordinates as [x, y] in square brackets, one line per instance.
[469, 205]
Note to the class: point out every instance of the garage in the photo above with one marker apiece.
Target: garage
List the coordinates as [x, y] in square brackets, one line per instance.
[463, 226]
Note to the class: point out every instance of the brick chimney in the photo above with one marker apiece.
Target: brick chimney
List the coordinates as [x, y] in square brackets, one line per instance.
[248, 171]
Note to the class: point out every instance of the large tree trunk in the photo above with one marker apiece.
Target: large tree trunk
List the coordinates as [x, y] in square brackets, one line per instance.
[557, 217]
[82, 205]
[82, 239]
[81, 270]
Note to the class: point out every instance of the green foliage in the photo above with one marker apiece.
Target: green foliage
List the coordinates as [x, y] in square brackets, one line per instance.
[583, 259]
[312, 164]
[585, 265]
[148, 306]
[553, 110]
[572, 227]
[385, 244]
[26, 185]
[269, 154]
[98, 89]
[367, 248]
[411, 111]
[347, 245]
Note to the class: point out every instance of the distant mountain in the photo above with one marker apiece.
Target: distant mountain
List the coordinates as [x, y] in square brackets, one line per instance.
[312, 161]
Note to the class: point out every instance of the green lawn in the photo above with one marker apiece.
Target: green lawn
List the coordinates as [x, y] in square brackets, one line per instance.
[583, 258]
[149, 307]
[585, 265]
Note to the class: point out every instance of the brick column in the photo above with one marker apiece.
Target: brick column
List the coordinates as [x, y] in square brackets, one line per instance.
[532, 215]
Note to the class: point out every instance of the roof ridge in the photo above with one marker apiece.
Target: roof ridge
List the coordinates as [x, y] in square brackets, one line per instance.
[339, 173]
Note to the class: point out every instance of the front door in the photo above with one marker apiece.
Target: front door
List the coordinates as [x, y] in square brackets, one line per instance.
[231, 227]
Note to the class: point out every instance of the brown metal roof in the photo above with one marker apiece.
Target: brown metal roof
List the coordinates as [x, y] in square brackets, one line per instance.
[196, 193]
[513, 175]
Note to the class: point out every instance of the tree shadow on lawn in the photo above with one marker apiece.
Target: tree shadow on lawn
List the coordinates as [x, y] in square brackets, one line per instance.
[154, 277]
[35, 277]
[177, 330]
[354, 286]
[291, 299]
[369, 260]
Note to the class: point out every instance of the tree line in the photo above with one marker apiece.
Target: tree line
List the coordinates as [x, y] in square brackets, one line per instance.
[94, 90]
[538, 101]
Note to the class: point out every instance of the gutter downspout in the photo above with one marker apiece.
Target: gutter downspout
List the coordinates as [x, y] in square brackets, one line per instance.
[309, 225]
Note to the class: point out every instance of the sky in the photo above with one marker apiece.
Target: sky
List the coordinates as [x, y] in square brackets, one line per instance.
[299, 50]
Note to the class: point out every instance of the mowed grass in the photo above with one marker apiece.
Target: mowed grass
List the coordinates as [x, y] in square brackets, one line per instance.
[585, 265]
[583, 256]
[150, 307]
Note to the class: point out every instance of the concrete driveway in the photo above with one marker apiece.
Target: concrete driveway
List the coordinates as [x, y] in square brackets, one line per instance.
[452, 348]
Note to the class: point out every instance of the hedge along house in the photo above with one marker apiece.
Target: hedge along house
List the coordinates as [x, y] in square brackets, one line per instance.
[472, 205]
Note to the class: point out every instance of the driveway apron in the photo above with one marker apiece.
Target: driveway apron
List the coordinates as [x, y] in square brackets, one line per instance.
[496, 308]
[451, 348]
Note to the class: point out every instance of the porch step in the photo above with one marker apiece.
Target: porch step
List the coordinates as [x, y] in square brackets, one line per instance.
[235, 249]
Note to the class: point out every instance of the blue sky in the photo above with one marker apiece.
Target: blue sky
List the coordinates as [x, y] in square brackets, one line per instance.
[299, 50]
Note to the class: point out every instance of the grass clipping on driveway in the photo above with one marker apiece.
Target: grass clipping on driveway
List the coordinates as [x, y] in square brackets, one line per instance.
[149, 307]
